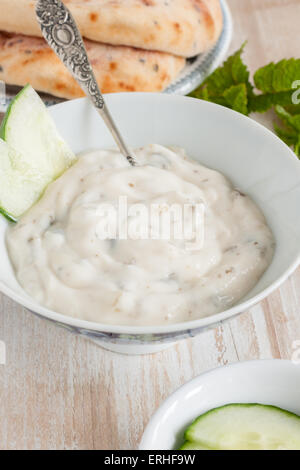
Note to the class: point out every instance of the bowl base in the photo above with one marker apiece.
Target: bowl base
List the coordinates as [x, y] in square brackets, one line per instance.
[132, 349]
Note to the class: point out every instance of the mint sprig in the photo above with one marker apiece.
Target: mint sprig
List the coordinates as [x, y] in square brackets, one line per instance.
[230, 86]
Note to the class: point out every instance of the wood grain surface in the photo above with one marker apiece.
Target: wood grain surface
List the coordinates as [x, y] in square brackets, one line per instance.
[59, 391]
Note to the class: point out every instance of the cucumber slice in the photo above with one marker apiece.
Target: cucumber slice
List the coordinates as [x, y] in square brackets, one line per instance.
[193, 446]
[18, 187]
[245, 427]
[34, 154]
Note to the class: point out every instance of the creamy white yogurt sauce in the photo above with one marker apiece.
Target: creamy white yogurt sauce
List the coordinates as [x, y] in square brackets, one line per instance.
[61, 262]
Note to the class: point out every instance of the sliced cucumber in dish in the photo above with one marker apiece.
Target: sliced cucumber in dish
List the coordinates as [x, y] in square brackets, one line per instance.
[193, 446]
[32, 153]
[244, 427]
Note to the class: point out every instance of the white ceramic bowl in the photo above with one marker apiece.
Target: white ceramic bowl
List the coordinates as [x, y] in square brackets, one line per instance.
[272, 382]
[253, 158]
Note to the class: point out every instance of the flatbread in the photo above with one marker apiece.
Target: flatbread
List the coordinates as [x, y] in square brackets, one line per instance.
[26, 59]
[180, 27]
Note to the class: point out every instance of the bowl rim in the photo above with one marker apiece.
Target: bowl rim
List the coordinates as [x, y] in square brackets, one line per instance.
[180, 391]
[204, 322]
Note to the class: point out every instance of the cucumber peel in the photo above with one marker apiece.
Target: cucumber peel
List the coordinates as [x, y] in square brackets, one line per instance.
[193, 446]
[32, 153]
[244, 427]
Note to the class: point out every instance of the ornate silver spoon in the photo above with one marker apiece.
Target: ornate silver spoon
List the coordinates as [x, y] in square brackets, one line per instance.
[61, 33]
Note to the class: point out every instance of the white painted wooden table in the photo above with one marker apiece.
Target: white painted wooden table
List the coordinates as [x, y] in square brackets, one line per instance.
[58, 391]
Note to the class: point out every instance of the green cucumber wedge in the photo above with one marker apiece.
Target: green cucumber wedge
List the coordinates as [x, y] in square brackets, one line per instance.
[32, 153]
[244, 427]
[19, 185]
[193, 446]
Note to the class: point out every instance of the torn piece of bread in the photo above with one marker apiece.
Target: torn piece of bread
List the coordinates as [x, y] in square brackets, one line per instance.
[180, 27]
[26, 59]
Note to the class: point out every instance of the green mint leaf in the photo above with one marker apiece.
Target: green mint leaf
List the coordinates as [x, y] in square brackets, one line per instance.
[293, 108]
[233, 72]
[290, 120]
[279, 77]
[236, 98]
[262, 103]
[275, 81]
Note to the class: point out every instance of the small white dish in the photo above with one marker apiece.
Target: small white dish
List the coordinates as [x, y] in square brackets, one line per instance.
[273, 382]
[252, 157]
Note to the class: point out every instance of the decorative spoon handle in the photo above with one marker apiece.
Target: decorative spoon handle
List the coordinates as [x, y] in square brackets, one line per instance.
[61, 33]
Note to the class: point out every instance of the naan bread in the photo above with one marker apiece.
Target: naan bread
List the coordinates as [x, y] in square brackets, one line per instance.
[180, 27]
[26, 59]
